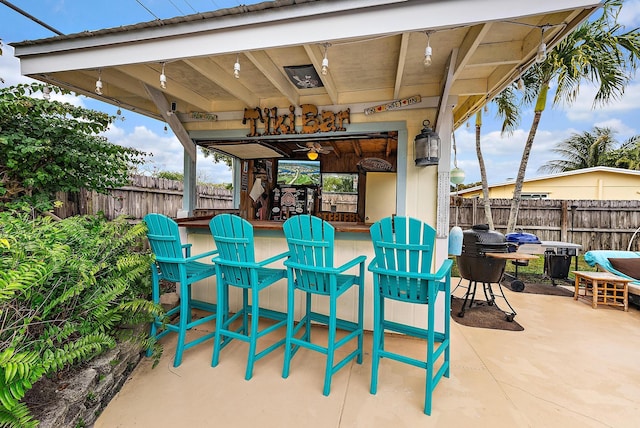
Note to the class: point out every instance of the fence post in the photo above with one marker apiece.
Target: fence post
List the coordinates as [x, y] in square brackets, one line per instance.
[564, 222]
[474, 213]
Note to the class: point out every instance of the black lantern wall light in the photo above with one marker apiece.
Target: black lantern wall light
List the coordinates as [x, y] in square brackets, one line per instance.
[427, 146]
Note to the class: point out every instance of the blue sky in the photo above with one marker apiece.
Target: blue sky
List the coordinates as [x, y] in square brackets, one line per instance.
[501, 154]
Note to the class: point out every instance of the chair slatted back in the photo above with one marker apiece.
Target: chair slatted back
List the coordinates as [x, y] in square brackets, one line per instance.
[164, 239]
[233, 236]
[310, 241]
[403, 245]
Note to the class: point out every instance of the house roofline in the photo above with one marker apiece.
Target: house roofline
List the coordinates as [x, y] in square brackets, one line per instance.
[560, 174]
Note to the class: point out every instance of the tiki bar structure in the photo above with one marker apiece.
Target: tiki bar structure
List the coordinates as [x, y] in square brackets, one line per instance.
[341, 109]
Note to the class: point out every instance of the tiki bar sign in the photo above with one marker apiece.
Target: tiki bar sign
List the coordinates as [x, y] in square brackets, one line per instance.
[312, 121]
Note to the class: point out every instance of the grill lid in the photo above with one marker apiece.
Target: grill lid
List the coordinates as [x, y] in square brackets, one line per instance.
[522, 238]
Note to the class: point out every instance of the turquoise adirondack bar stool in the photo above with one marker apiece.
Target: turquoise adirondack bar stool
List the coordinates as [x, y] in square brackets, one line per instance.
[174, 263]
[236, 266]
[401, 269]
[310, 268]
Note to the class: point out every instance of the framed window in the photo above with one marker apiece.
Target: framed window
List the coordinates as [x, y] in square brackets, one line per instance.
[340, 192]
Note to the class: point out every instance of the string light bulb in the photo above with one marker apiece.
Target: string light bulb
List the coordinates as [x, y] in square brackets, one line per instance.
[163, 78]
[236, 68]
[46, 92]
[325, 60]
[521, 84]
[541, 55]
[99, 83]
[428, 52]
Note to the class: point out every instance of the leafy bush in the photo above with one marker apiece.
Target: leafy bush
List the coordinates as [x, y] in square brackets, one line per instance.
[69, 290]
[49, 146]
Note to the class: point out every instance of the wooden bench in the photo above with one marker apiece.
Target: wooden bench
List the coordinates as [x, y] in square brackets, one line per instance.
[602, 288]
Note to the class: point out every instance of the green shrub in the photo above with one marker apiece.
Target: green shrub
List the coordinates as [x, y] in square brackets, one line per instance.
[69, 290]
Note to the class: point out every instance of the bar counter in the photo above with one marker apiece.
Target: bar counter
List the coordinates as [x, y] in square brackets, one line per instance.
[352, 240]
[203, 223]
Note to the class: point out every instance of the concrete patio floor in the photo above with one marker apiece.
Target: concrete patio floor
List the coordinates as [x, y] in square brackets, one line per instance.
[572, 366]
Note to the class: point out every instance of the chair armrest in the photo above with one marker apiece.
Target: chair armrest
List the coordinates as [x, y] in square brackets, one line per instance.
[309, 268]
[247, 265]
[327, 270]
[356, 261]
[202, 255]
[273, 259]
[442, 272]
[187, 249]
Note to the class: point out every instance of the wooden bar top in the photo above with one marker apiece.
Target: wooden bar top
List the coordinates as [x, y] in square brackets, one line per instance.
[512, 256]
[203, 223]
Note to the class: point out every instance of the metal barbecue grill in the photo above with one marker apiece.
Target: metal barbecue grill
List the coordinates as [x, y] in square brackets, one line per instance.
[476, 266]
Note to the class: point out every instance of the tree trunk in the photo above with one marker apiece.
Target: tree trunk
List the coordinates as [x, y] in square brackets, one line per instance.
[483, 173]
[517, 190]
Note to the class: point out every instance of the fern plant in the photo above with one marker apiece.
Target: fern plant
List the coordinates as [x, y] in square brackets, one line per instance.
[69, 290]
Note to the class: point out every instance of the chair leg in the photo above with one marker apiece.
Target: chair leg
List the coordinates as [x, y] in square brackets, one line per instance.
[360, 319]
[447, 324]
[378, 334]
[331, 346]
[155, 296]
[185, 312]
[290, 325]
[307, 327]
[221, 320]
[245, 312]
[253, 335]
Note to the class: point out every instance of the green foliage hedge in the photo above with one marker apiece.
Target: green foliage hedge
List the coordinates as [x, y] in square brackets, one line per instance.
[69, 290]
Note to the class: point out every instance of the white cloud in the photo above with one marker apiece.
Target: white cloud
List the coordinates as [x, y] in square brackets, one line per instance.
[621, 129]
[502, 155]
[630, 14]
[582, 110]
[167, 154]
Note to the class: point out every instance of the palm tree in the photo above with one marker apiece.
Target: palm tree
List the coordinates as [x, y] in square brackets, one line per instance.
[627, 156]
[581, 151]
[483, 172]
[598, 51]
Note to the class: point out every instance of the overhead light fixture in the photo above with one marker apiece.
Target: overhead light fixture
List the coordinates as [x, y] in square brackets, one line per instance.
[46, 92]
[542, 48]
[236, 68]
[325, 60]
[312, 155]
[163, 78]
[428, 51]
[99, 83]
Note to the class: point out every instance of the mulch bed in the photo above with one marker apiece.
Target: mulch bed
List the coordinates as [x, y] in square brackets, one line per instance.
[482, 315]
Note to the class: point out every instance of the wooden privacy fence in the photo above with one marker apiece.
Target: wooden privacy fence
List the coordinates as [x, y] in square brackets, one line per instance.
[596, 225]
[144, 195]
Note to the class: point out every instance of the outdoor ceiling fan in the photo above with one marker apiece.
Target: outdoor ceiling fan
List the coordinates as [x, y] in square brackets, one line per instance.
[313, 149]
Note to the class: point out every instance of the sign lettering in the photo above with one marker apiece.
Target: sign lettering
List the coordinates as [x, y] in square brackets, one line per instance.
[312, 120]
